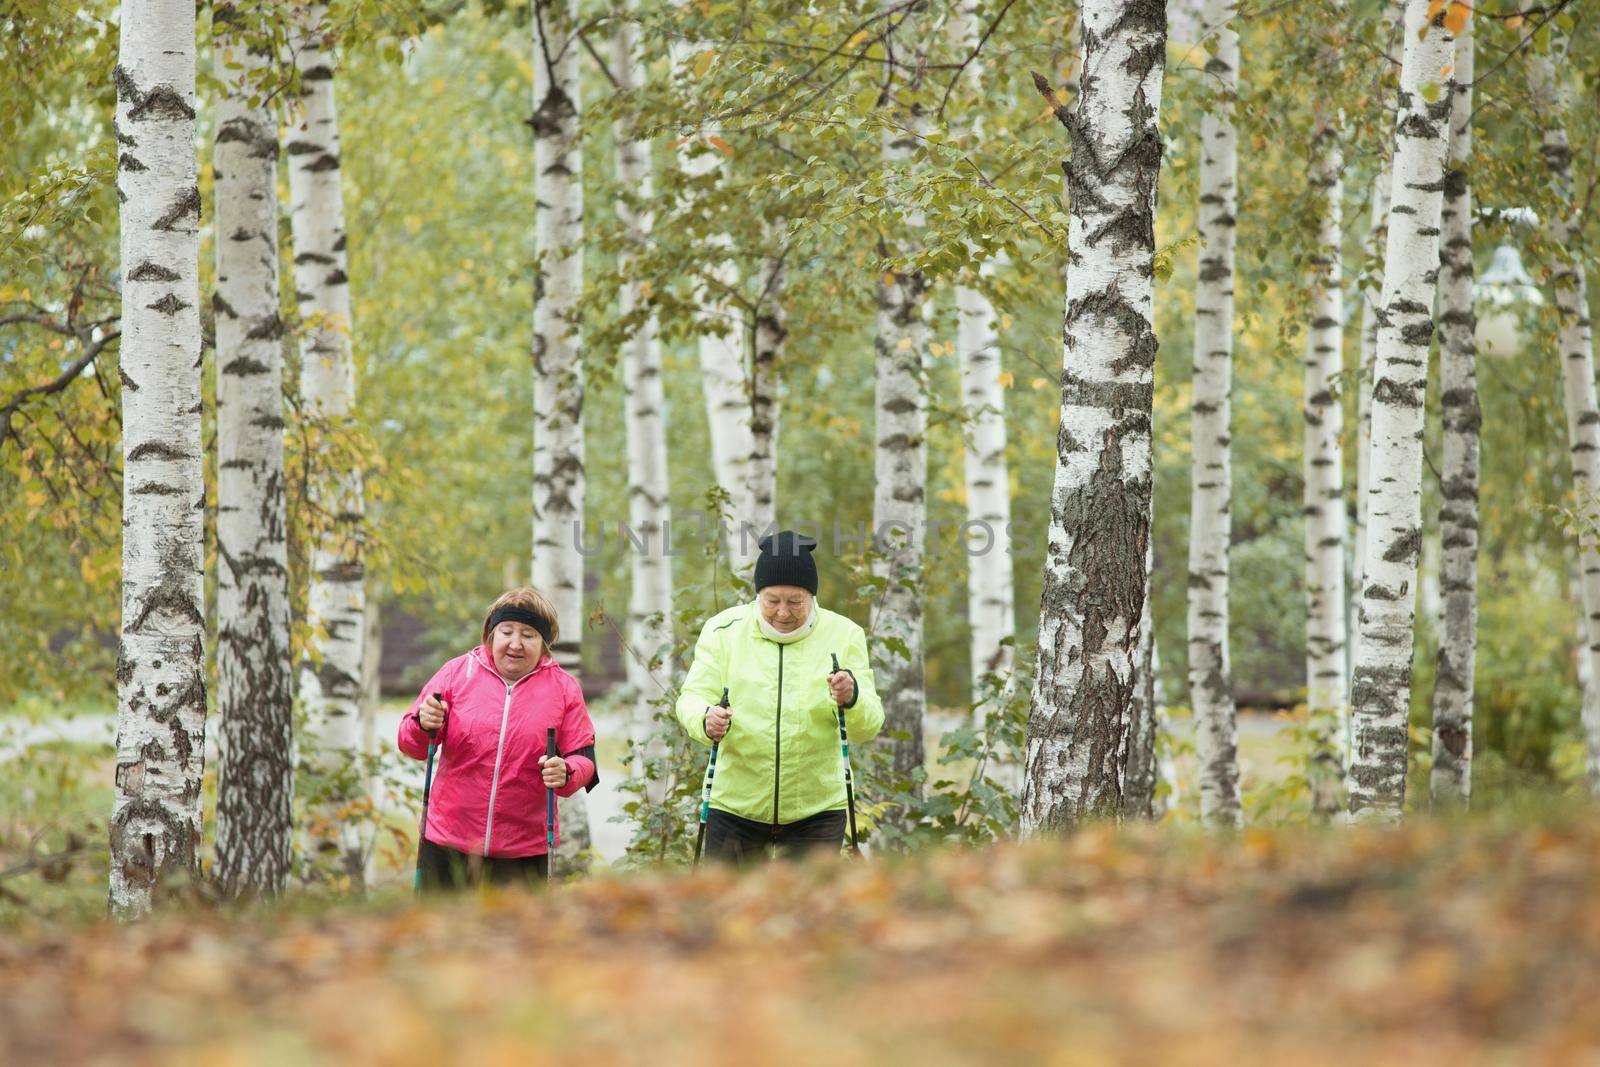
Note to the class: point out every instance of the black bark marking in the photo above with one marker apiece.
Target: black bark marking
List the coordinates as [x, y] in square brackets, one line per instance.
[156, 450]
[186, 205]
[151, 272]
[168, 305]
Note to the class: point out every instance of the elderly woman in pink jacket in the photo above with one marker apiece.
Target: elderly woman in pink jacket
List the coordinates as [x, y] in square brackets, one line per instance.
[486, 814]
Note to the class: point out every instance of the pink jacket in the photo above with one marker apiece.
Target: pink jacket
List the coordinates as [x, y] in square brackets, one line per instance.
[488, 797]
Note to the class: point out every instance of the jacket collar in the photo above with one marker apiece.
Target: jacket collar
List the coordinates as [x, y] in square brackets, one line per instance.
[486, 661]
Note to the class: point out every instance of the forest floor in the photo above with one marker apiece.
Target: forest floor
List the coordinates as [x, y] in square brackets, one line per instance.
[1469, 942]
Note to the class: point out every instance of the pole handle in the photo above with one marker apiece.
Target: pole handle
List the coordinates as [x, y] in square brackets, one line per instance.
[440, 698]
[550, 748]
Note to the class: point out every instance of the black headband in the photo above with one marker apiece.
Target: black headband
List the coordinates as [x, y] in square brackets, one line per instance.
[512, 613]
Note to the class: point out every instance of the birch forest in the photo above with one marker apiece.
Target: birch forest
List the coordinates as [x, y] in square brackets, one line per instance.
[1193, 402]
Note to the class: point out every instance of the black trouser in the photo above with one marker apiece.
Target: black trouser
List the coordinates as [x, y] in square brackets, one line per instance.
[741, 841]
[445, 868]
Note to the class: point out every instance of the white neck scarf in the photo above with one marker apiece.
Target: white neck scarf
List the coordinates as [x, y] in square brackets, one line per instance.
[773, 634]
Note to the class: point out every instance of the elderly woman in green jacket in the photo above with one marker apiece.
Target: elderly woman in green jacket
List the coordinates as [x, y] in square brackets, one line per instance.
[780, 777]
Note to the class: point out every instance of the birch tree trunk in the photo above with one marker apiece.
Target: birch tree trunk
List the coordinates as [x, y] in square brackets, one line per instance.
[371, 695]
[990, 581]
[1382, 688]
[1569, 286]
[1377, 239]
[649, 508]
[1326, 673]
[161, 686]
[1451, 779]
[1140, 777]
[988, 484]
[724, 376]
[1371, 290]
[1094, 576]
[558, 386]
[765, 406]
[899, 509]
[330, 681]
[255, 685]
[1210, 669]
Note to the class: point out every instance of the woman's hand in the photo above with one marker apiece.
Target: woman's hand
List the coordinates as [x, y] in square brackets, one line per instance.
[553, 769]
[718, 719]
[841, 687]
[431, 714]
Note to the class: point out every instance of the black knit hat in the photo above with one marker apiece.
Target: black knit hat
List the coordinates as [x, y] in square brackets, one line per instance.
[786, 560]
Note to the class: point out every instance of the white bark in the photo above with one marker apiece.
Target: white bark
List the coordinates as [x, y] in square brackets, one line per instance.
[371, 695]
[724, 376]
[1142, 769]
[988, 483]
[1371, 290]
[649, 509]
[1451, 778]
[769, 334]
[255, 685]
[330, 680]
[1585, 664]
[1382, 688]
[1100, 505]
[899, 509]
[1569, 285]
[558, 385]
[161, 698]
[1210, 669]
[1326, 673]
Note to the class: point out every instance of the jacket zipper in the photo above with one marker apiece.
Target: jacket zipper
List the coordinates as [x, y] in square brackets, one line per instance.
[499, 752]
[777, 746]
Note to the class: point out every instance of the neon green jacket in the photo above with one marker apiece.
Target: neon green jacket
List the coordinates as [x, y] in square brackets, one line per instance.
[779, 761]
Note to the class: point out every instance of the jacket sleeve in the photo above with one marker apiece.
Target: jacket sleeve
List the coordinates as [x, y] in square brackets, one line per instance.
[575, 739]
[414, 739]
[864, 717]
[703, 685]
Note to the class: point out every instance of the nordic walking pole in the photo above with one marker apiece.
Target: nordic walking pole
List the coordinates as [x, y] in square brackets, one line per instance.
[427, 787]
[550, 749]
[849, 779]
[705, 793]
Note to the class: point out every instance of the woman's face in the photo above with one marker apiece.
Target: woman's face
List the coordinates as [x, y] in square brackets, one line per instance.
[517, 649]
[785, 607]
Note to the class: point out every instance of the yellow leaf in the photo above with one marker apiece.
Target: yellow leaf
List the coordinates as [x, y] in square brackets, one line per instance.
[1005, 322]
[721, 146]
[1455, 20]
[1040, 383]
[1007, 379]
[702, 63]
[861, 35]
[905, 343]
[1514, 22]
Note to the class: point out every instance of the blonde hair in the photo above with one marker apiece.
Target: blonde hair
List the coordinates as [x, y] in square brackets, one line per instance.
[529, 599]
